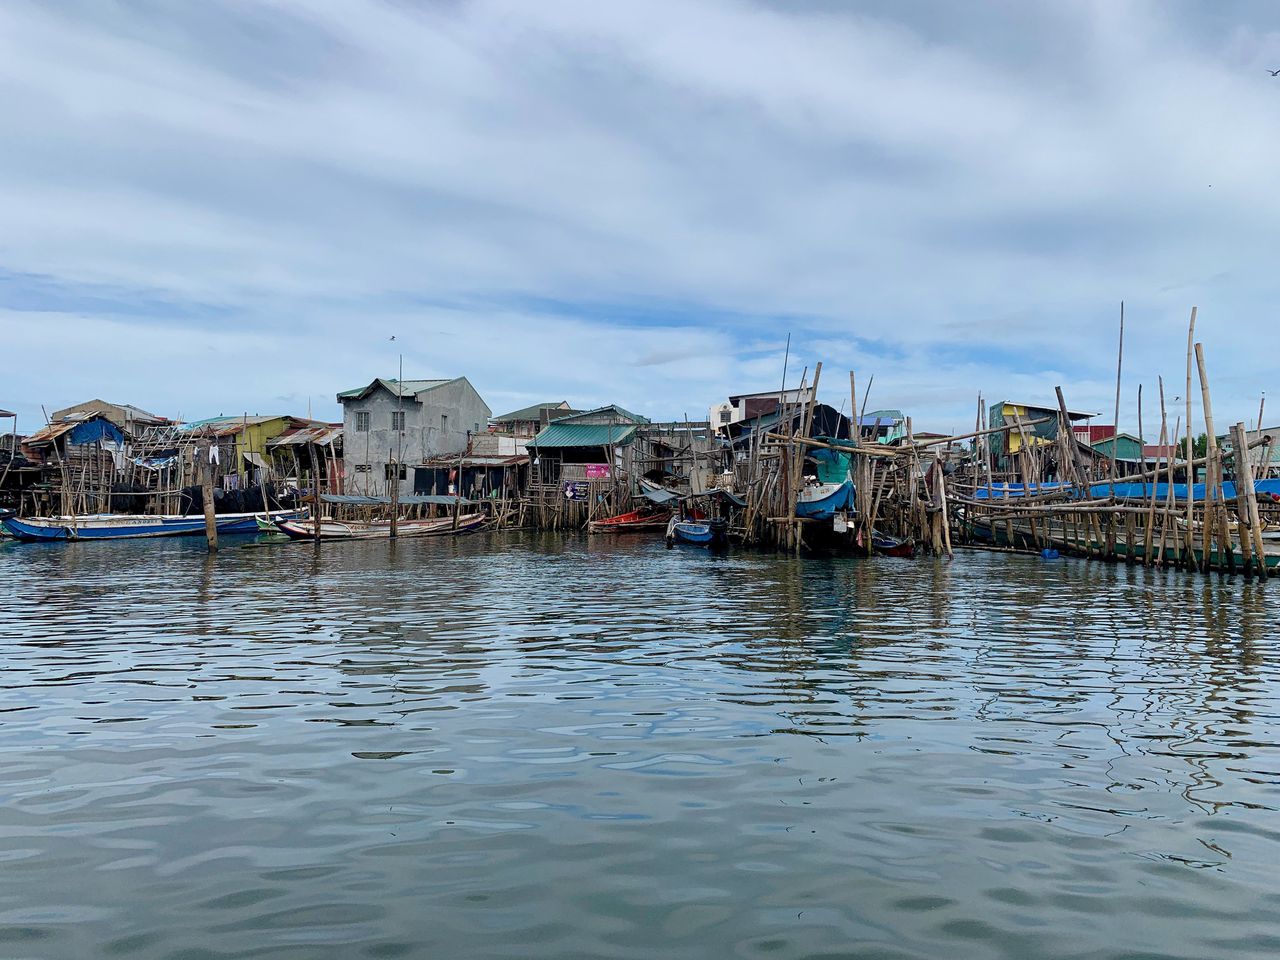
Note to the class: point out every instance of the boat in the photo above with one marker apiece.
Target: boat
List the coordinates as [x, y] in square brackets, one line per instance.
[889, 546]
[698, 533]
[635, 520]
[266, 522]
[380, 529]
[822, 501]
[125, 526]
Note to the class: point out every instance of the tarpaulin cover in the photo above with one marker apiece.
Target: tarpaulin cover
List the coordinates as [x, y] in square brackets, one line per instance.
[91, 431]
[833, 467]
[660, 496]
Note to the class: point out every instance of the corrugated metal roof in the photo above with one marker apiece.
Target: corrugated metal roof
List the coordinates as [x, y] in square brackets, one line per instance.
[322, 435]
[570, 416]
[533, 412]
[560, 434]
[225, 426]
[407, 387]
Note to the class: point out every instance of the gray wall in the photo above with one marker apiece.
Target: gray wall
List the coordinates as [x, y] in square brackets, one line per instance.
[425, 433]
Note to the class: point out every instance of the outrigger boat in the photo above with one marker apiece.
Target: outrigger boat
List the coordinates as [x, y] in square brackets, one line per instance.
[635, 520]
[380, 529]
[124, 526]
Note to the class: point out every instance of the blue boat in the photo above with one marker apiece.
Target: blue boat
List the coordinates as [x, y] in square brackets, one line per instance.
[698, 533]
[822, 501]
[118, 526]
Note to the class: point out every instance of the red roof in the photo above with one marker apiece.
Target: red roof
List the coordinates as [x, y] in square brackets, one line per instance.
[1152, 451]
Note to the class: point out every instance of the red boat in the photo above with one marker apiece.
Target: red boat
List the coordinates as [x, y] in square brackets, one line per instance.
[892, 546]
[635, 520]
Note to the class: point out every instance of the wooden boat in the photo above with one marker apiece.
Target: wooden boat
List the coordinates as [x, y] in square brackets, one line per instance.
[821, 501]
[123, 526]
[698, 533]
[635, 520]
[380, 529]
[889, 546]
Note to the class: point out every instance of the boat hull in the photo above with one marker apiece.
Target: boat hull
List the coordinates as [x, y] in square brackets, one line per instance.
[636, 520]
[822, 501]
[124, 526]
[711, 533]
[380, 530]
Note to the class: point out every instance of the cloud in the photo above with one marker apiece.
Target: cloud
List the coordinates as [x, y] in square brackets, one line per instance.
[212, 207]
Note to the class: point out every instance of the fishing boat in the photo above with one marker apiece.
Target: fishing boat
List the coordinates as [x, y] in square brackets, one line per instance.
[888, 546]
[698, 533]
[635, 520]
[821, 501]
[266, 522]
[380, 529]
[123, 526]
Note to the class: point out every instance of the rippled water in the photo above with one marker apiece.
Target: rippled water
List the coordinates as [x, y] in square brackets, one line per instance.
[544, 747]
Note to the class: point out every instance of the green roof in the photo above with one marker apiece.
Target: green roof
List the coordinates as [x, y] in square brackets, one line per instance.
[407, 387]
[534, 412]
[584, 435]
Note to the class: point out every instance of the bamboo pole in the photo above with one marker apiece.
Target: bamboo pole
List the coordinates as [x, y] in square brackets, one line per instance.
[1190, 536]
[1215, 508]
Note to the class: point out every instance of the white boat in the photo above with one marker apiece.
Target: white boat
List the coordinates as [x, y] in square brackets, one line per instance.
[379, 529]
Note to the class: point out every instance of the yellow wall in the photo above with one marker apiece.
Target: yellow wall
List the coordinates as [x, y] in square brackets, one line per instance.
[1009, 411]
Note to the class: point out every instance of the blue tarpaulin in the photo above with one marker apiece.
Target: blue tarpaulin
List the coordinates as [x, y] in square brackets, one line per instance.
[1122, 491]
[91, 431]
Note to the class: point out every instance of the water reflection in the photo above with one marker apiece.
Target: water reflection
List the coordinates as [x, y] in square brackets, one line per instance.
[587, 747]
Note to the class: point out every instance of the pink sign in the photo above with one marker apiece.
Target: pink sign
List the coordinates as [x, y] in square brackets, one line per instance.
[597, 471]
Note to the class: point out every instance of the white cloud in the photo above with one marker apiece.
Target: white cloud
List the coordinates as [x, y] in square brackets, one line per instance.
[950, 210]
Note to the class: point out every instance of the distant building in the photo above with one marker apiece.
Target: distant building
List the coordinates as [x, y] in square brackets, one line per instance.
[527, 421]
[592, 445]
[409, 422]
[242, 442]
[129, 419]
[750, 406]
[1038, 422]
[1126, 449]
[882, 426]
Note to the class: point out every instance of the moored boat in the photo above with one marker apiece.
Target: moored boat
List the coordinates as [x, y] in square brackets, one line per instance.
[380, 529]
[635, 520]
[889, 546]
[120, 526]
[698, 533]
[821, 501]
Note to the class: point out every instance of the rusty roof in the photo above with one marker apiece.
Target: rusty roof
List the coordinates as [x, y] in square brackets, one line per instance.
[321, 435]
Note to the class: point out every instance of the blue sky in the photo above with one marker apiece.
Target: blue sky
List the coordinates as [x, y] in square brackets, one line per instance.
[232, 207]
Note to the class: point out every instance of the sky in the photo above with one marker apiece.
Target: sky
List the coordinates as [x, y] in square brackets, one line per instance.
[232, 207]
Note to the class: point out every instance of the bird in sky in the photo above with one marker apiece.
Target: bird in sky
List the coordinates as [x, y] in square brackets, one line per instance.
[1274, 73]
[393, 336]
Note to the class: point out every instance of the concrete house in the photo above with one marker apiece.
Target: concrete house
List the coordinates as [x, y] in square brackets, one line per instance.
[410, 421]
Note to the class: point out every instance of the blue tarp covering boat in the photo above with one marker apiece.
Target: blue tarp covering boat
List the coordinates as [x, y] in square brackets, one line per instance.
[1122, 491]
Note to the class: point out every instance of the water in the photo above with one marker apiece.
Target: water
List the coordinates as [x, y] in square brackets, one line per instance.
[561, 748]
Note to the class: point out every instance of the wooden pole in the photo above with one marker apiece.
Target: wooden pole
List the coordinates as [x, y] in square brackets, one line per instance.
[206, 478]
[1191, 516]
[1215, 509]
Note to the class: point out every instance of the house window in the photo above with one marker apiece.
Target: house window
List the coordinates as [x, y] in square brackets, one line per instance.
[444, 423]
[362, 421]
[477, 428]
[397, 420]
[391, 471]
[725, 415]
